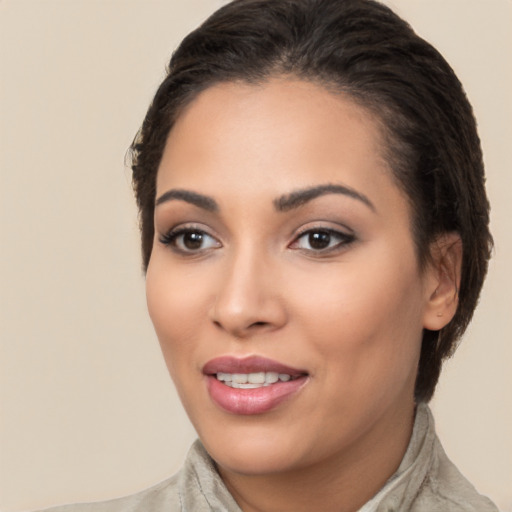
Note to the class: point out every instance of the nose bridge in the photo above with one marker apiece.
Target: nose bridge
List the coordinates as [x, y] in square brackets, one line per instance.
[247, 298]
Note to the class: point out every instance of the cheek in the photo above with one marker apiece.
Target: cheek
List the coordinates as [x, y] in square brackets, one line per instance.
[175, 306]
[366, 317]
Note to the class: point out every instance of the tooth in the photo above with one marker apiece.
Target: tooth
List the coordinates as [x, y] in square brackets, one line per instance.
[252, 380]
[256, 378]
[271, 377]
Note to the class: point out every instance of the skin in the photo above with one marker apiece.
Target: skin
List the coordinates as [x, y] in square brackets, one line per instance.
[352, 316]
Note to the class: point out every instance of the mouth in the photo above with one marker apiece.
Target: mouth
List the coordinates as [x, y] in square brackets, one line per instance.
[253, 380]
[251, 385]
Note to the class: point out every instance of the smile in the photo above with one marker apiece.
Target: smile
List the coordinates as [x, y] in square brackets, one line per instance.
[252, 385]
[252, 380]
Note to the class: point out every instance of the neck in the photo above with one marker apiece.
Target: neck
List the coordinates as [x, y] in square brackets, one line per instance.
[343, 482]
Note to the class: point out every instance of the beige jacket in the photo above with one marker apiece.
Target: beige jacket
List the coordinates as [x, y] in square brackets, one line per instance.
[426, 481]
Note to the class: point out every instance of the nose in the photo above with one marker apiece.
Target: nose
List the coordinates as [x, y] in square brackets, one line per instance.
[248, 299]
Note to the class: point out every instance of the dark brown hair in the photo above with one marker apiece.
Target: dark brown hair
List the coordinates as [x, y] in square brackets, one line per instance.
[360, 48]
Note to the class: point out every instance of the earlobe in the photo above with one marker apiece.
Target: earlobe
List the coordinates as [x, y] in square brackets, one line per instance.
[443, 281]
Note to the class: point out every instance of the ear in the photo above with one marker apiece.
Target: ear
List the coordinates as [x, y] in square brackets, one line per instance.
[443, 281]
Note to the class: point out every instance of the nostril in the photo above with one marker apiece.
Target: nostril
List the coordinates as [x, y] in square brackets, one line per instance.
[258, 324]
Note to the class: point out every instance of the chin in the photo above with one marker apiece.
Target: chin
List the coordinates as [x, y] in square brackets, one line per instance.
[251, 449]
[255, 461]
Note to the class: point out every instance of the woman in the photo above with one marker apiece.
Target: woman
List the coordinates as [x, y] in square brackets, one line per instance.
[315, 235]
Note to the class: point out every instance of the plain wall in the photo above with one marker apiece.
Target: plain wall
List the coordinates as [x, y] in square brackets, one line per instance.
[87, 411]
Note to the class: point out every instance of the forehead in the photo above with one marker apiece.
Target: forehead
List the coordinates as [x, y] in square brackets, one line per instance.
[269, 138]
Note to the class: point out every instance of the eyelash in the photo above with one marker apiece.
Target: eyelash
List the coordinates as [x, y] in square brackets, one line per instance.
[344, 240]
[172, 239]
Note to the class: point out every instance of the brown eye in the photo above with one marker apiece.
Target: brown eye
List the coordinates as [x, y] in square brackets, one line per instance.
[319, 240]
[189, 241]
[192, 241]
[322, 241]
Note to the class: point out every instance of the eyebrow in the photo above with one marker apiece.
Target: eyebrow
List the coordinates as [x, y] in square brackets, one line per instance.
[300, 197]
[199, 200]
[283, 203]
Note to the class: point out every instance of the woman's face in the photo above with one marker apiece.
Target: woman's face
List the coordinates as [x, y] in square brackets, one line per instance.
[283, 251]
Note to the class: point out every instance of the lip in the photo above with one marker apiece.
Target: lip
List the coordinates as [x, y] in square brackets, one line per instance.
[250, 364]
[251, 401]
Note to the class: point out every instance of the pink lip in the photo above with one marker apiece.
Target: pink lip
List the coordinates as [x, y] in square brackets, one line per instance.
[251, 364]
[251, 401]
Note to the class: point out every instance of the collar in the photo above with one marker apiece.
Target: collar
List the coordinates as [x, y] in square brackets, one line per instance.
[202, 490]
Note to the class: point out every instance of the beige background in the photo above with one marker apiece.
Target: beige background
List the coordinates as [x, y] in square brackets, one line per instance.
[87, 409]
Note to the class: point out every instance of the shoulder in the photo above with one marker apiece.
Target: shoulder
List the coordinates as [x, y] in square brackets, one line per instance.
[162, 496]
[446, 489]
[197, 487]
[427, 481]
